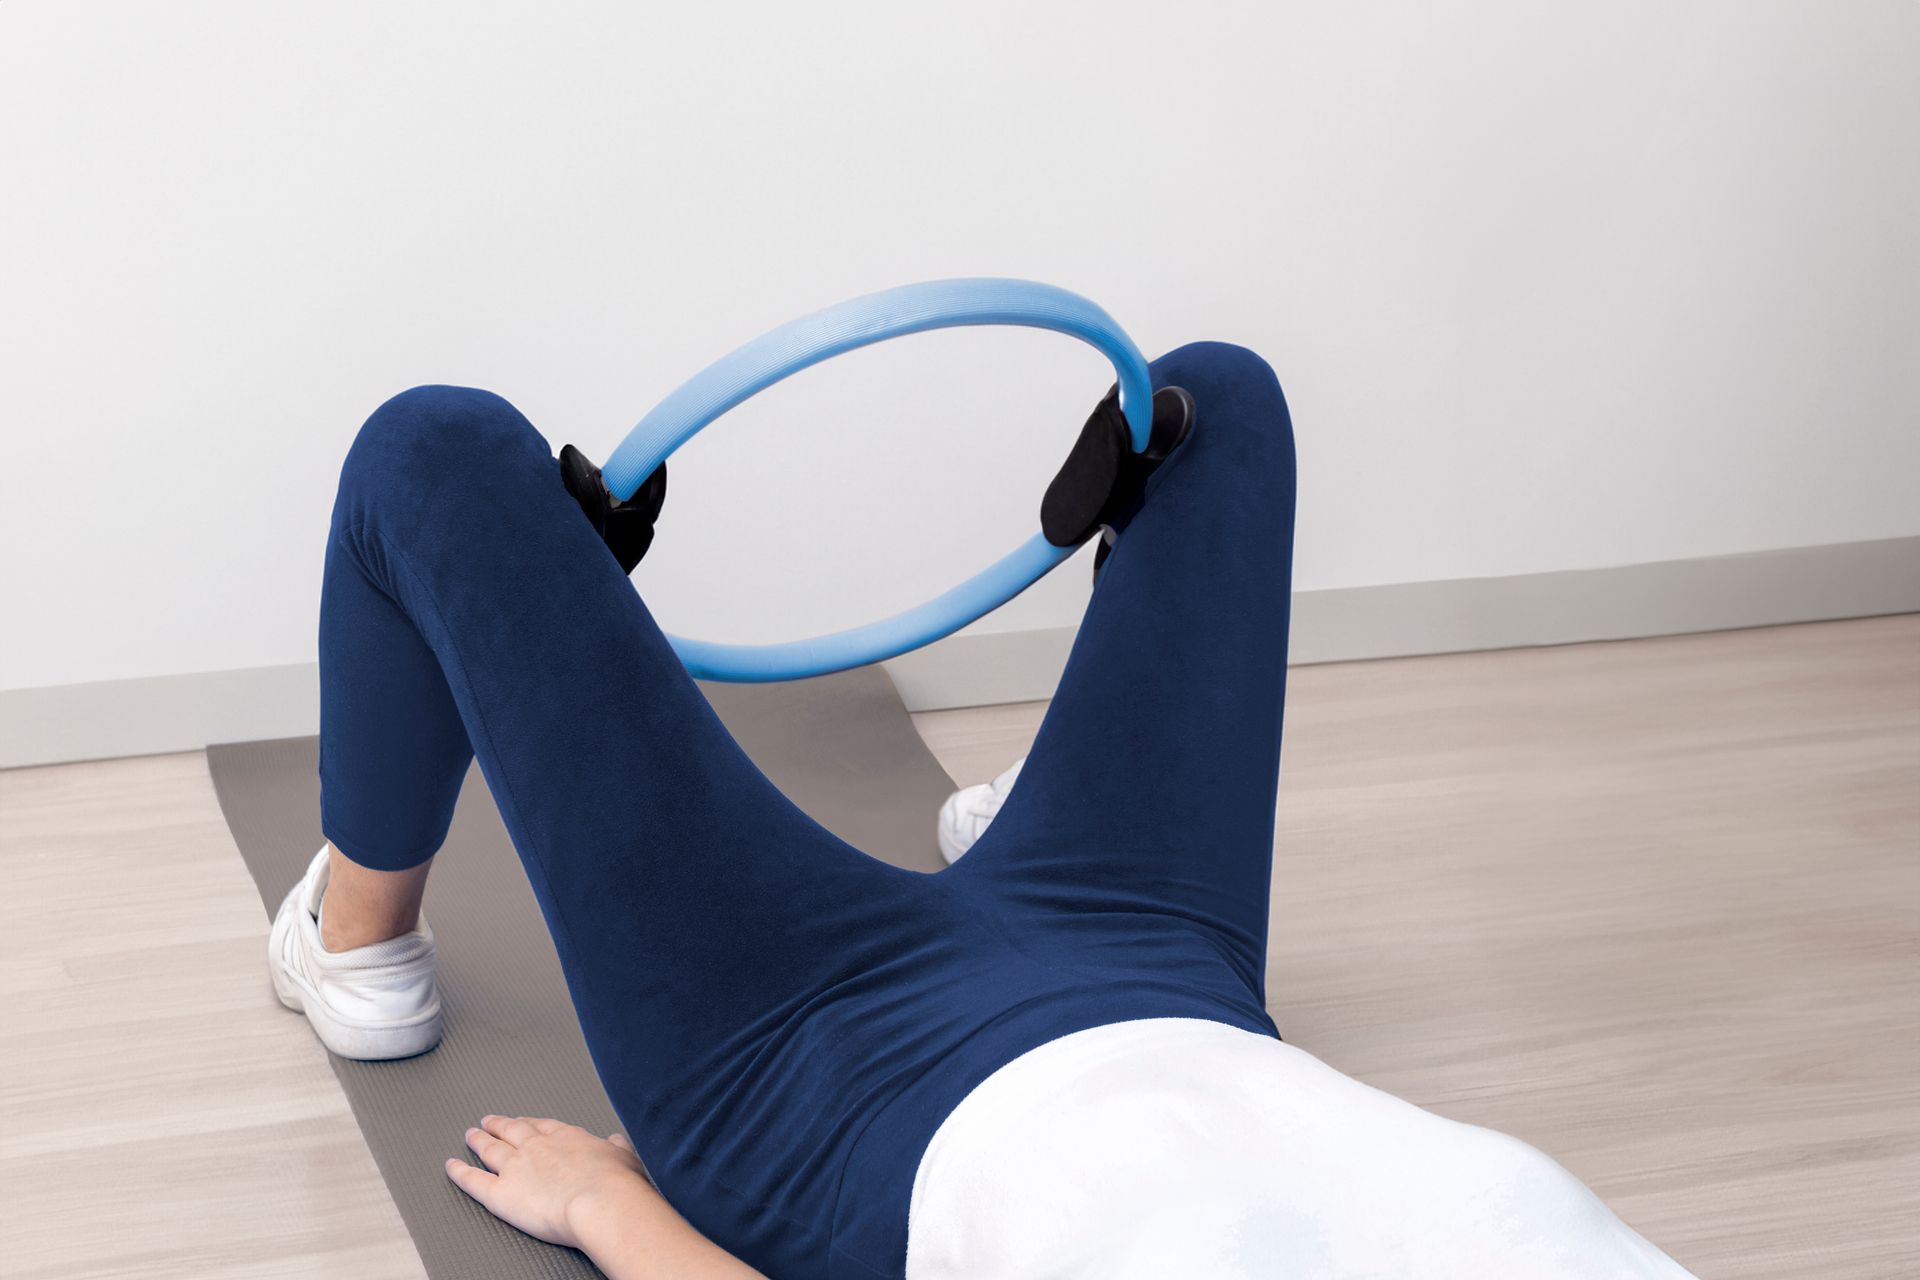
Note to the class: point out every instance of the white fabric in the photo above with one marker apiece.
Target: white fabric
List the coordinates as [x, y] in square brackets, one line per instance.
[969, 811]
[1173, 1147]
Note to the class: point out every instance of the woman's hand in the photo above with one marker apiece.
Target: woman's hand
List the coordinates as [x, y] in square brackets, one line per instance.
[545, 1175]
[563, 1185]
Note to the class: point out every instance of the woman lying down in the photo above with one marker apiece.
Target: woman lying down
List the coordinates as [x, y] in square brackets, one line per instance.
[1053, 1059]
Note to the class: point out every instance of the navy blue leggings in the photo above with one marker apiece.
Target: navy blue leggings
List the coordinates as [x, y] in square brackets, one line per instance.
[780, 1020]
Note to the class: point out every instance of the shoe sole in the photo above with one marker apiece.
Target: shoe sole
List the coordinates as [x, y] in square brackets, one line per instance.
[362, 1044]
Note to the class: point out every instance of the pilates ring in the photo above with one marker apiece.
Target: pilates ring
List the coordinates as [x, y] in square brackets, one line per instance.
[860, 322]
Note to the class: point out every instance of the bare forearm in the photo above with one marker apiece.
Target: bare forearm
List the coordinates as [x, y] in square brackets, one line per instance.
[631, 1233]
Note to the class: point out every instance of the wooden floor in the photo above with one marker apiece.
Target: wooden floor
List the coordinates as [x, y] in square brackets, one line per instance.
[1652, 906]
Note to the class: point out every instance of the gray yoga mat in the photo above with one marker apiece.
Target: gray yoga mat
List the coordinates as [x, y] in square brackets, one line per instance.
[842, 747]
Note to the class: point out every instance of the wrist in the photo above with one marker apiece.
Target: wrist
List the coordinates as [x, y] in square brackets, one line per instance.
[630, 1231]
[599, 1212]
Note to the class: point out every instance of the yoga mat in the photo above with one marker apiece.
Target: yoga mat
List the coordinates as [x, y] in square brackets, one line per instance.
[841, 746]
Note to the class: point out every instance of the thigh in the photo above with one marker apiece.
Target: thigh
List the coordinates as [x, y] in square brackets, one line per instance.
[691, 904]
[1150, 789]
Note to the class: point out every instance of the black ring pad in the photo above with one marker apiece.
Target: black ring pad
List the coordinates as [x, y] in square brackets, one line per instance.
[626, 527]
[1103, 478]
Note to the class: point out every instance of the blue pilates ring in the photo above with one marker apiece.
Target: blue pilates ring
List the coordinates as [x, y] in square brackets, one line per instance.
[859, 322]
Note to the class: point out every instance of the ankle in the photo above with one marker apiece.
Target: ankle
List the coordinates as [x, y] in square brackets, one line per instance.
[361, 906]
[336, 936]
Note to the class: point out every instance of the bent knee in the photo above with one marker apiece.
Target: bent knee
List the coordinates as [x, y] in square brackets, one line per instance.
[434, 433]
[1228, 380]
[436, 424]
[1220, 367]
[1237, 401]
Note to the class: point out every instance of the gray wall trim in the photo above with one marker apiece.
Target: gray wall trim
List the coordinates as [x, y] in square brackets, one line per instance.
[1718, 593]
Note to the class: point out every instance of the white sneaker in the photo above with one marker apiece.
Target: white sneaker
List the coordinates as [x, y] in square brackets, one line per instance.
[371, 1003]
[965, 816]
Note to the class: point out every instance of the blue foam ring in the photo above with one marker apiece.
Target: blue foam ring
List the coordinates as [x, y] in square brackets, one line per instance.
[860, 322]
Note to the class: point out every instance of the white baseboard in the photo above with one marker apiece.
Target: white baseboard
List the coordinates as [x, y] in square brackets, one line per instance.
[1669, 597]
[1718, 593]
[147, 716]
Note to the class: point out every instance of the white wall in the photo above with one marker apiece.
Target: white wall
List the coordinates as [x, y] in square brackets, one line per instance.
[1549, 286]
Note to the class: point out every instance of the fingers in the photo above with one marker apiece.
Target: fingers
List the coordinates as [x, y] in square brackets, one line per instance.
[512, 1130]
[491, 1150]
[478, 1183]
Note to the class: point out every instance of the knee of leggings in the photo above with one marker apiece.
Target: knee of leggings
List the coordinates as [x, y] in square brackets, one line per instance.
[1219, 369]
[1234, 391]
[432, 436]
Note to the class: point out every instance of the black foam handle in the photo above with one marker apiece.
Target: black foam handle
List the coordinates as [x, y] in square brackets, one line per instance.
[1102, 476]
[626, 527]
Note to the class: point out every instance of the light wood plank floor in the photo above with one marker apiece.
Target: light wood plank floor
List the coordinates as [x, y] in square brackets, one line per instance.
[1651, 906]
